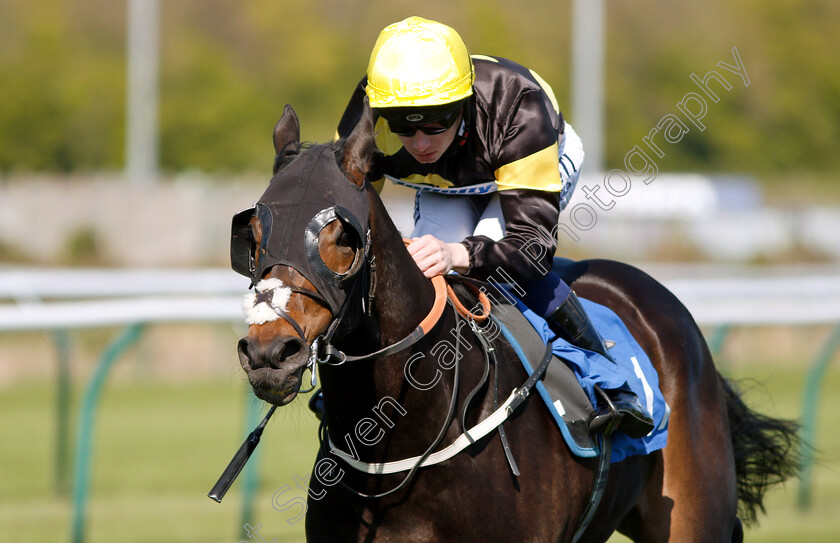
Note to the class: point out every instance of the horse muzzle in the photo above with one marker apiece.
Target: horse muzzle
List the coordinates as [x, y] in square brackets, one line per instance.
[274, 368]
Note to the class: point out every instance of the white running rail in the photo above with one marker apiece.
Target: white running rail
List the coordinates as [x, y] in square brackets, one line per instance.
[44, 299]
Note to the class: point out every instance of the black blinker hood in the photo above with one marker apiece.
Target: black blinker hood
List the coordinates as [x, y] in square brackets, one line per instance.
[305, 195]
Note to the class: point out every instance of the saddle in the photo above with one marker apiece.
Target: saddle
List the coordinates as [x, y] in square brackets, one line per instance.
[559, 388]
[570, 384]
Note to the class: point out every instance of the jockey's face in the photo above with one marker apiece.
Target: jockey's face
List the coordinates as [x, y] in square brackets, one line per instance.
[426, 148]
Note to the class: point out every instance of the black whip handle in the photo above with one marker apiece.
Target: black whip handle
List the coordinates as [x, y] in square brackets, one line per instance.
[239, 459]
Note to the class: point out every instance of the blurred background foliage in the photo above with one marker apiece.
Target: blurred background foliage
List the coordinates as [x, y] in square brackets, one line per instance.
[228, 67]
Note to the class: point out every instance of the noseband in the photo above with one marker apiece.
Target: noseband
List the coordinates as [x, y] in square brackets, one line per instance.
[270, 299]
[321, 349]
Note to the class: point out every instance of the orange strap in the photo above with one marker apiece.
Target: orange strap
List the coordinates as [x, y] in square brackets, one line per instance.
[462, 309]
[437, 309]
[442, 290]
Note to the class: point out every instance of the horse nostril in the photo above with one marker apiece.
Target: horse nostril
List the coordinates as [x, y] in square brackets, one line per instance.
[253, 355]
[283, 349]
[242, 349]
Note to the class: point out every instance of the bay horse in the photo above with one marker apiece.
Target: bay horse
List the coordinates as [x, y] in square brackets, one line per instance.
[337, 293]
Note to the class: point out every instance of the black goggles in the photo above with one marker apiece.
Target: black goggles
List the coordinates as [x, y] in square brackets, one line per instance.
[431, 129]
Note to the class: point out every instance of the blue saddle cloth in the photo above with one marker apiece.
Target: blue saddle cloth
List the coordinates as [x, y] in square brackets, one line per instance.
[590, 368]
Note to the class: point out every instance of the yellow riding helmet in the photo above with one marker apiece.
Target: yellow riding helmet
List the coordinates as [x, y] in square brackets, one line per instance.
[418, 63]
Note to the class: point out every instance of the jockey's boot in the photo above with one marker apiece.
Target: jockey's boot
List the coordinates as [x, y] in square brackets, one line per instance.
[620, 411]
[571, 322]
[316, 404]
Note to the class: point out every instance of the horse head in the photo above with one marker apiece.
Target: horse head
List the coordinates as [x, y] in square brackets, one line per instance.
[305, 246]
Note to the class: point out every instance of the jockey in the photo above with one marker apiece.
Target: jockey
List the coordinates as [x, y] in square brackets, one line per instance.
[484, 144]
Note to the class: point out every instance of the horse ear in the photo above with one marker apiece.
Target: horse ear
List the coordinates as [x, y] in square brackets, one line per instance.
[287, 131]
[358, 149]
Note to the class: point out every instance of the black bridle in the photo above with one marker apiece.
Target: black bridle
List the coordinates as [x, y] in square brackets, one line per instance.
[359, 283]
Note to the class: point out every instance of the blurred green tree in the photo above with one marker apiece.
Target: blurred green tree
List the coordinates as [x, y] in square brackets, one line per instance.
[228, 68]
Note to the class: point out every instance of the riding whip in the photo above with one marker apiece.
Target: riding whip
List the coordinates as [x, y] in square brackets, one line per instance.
[239, 459]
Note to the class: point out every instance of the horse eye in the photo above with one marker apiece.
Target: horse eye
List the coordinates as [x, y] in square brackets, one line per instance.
[344, 239]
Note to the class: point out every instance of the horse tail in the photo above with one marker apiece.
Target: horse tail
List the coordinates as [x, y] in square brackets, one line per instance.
[767, 451]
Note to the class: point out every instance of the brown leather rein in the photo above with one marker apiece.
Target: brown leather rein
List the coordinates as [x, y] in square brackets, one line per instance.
[443, 292]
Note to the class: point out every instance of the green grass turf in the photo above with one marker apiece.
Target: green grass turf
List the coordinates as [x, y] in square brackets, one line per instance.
[158, 450]
[776, 389]
[160, 447]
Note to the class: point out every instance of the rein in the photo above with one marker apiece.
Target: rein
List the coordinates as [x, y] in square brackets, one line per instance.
[334, 357]
[443, 291]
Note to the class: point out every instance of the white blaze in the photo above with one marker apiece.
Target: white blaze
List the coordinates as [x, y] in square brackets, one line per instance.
[260, 313]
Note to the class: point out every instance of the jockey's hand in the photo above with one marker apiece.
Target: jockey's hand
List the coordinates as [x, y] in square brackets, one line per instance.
[435, 257]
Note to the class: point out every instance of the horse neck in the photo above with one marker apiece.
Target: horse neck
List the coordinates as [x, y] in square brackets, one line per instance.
[403, 295]
[403, 298]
